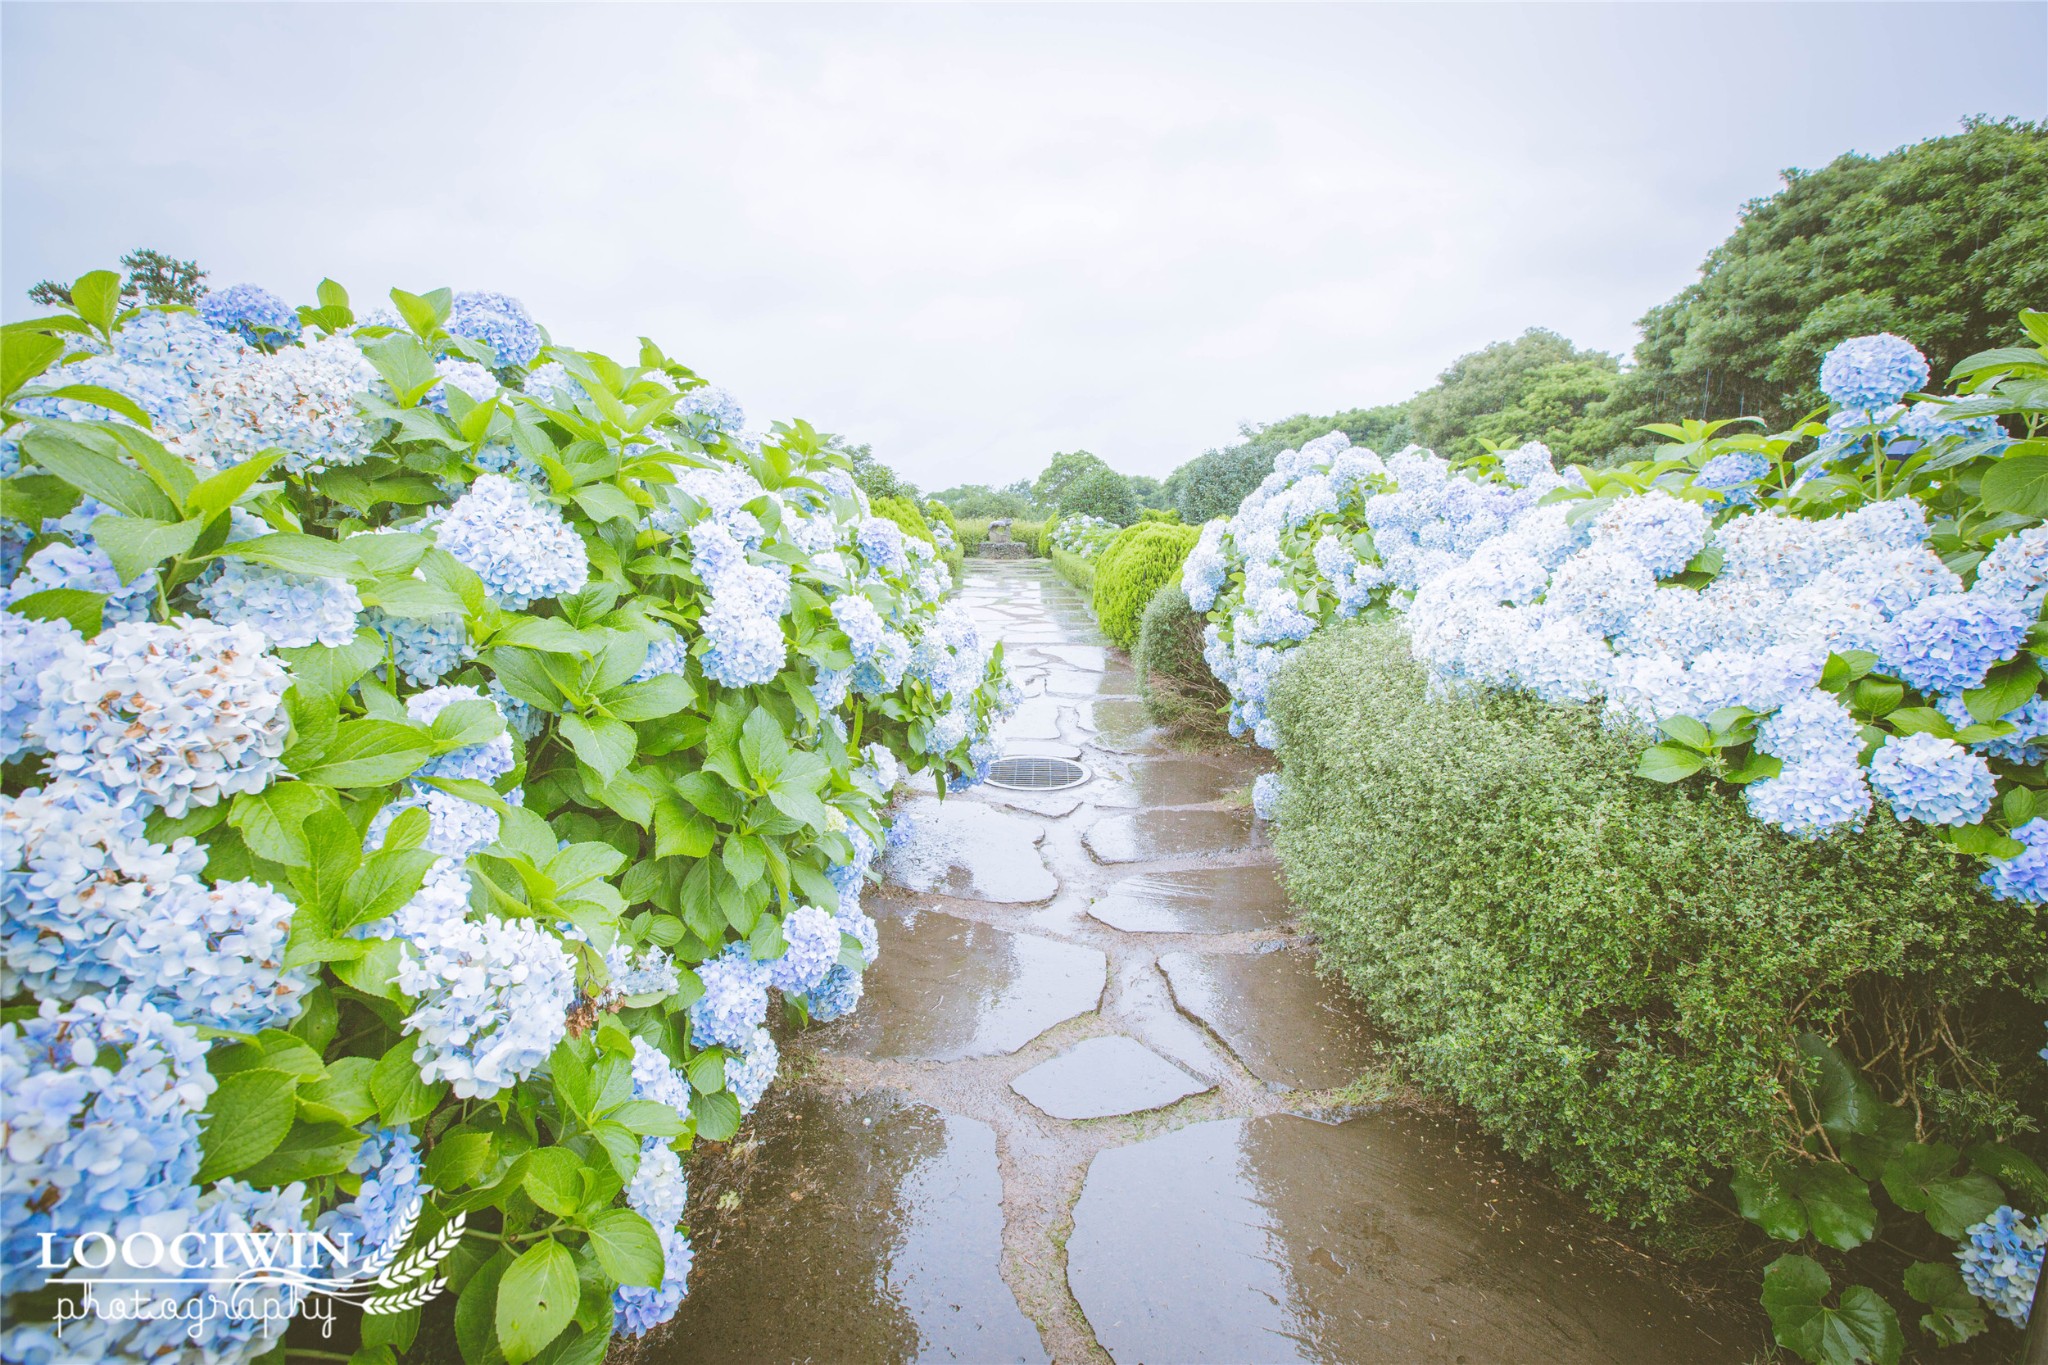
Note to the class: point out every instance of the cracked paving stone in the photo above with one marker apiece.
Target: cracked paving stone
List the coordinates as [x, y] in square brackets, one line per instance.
[1101, 1077]
[946, 988]
[1288, 1026]
[969, 851]
[872, 1231]
[1205, 900]
[1385, 1238]
[1170, 782]
[1157, 835]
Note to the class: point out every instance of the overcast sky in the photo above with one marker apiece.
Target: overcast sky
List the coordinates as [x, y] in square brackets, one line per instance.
[973, 236]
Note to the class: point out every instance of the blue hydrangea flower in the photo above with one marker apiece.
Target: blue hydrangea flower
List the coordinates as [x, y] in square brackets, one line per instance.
[1203, 571]
[494, 998]
[1660, 531]
[881, 544]
[747, 648]
[835, 997]
[1266, 796]
[301, 400]
[1809, 800]
[1733, 476]
[1949, 643]
[749, 1074]
[641, 1310]
[2029, 722]
[500, 322]
[656, 1079]
[31, 650]
[2000, 1259]
[456, 828]
[171, 716]
[1929, 422]
[735, 999]
[215, 957]
[708, 408]
[2024, 876]
[86, 569]
[478, 384]
[291, 610]
[650, 973]
[1933, 780]
[2016, 570]
[521, 548]
[426, 649]
[1872, 371]
[1812, 728]
[101, 1124]
[813, 939]
[522, 718]
[389, 1164]
[659, 1191]
[250, 311]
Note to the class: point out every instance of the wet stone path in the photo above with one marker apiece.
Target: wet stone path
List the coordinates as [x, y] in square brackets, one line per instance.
[1096, 1105]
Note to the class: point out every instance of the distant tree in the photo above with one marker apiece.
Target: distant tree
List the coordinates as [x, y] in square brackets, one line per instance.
[1534, 388]
[876, 479]
[1215, 482]
[1148, 491]
[979, 500]
[1063, 469]
[1941, 242]
[1100, 492]
[153, 278]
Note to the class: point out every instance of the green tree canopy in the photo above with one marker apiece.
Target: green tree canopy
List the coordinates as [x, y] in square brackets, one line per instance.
[1533, 388]
[979, 500]
[1100, 492]
[876, 479]
[153, 277]
[1064, 469]
[1941, 242]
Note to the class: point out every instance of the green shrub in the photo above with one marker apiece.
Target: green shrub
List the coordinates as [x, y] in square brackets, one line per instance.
[1613, 973]
[1180, 692]
[903, 511]
[972, 532]
[1136, 565]
[1041, 539]
[1074, 569]
[1100, 493]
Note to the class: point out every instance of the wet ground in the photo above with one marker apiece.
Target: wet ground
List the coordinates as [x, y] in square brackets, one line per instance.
[1097, 1106]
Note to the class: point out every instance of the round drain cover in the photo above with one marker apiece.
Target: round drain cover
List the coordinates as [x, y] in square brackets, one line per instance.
[1036, 773]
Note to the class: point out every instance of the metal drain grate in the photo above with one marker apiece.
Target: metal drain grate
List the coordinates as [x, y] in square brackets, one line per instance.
[1036, 773]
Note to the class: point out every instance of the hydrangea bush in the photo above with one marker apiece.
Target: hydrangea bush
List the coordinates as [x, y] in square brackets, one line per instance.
[431, 755]
[1842, 620]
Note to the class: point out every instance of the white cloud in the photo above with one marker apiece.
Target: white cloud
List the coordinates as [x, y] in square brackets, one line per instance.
[975, 236]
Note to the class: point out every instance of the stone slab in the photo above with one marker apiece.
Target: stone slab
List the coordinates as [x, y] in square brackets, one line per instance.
[1158, 835]
[1288, 1026]
[969, 851]
[1105, 1076]
[1221, 900]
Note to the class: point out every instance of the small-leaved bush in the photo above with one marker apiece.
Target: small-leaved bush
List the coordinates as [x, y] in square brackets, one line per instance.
[1141, 560]
[1180, 692]
[429, 754]
[1638, 984]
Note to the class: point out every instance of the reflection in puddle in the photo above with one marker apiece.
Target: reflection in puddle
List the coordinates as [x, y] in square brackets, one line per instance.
[946, 988]
[871, 1231]
[1145, 835]
[1104, 1076]
[1203, 900]
[1285, 1024]
[968, 850]
[1385, 1238]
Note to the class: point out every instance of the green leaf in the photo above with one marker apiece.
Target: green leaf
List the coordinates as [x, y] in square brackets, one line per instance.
[1669, 763]
[2014, 1169]
[2009, 687]
[1837, 1204]
[662, 695]
[762, 747]
[627, 1247]
[1923, 1180]
[1763, 1200]
[341, 1094]
[273, 821]
[553, 1179]
[1920, 720]
[463, 723]
[370, 753]
[402, 1097]
[535, 1300]
[104, 397]
[1862, 1328]
[135, 545]
[605, 744]
[476, 1312]
[2017, 484]
[1689, 733]
[424, 313]
[458, 1159]
[649, 1119]
[223, 490]
[1841, 1098]
[717, 1116]
[308, 1152]
[23, 356]
[386, 880]
[602, 502]
[89, 471]
[82, 610]
[302, 554]
[1956, 1314]
[247, 1118]
[97, 297]
[680, 831]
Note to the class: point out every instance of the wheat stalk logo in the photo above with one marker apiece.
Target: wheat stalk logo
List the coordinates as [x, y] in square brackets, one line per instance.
[411, 1276]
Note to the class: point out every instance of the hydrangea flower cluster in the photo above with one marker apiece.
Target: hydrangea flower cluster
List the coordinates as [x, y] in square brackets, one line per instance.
[2000, 1259]
[1084, 535]
[519, 546]
[761, 565]
[1872, 371]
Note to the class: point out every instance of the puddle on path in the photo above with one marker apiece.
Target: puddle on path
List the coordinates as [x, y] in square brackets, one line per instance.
[946, 988]
[871, 1231]
[1288, 1026]
[1219, 900]
[970, 851]
[1384, 1238]
[1116, 680]
[1171, 782]
[1034, 718]
[1104, 1076]
[1157, 835]
[1121, 723]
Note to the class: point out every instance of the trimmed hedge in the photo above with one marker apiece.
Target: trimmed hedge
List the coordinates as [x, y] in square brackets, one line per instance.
[1613, 973]
[1179, 690]
[1139, 562]
[908, 516]
[1074, 569]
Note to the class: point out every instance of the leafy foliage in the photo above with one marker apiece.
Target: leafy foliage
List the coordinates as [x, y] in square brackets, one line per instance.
[1180, 692]
[1140, 561]
[1101, 493]
[153, 278]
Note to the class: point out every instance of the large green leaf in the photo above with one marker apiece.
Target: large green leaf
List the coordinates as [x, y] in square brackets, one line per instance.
[2017, 484]
[308, 1152]
[83, 611]
[1954, 1314]
[536, 1299]
[1862, 1328]
[104, 477]
[605, 744]
[627, 1247]
[135, 545]
[248, 1116]
[1669, 763]
[370, 753]
[1923, 1180]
